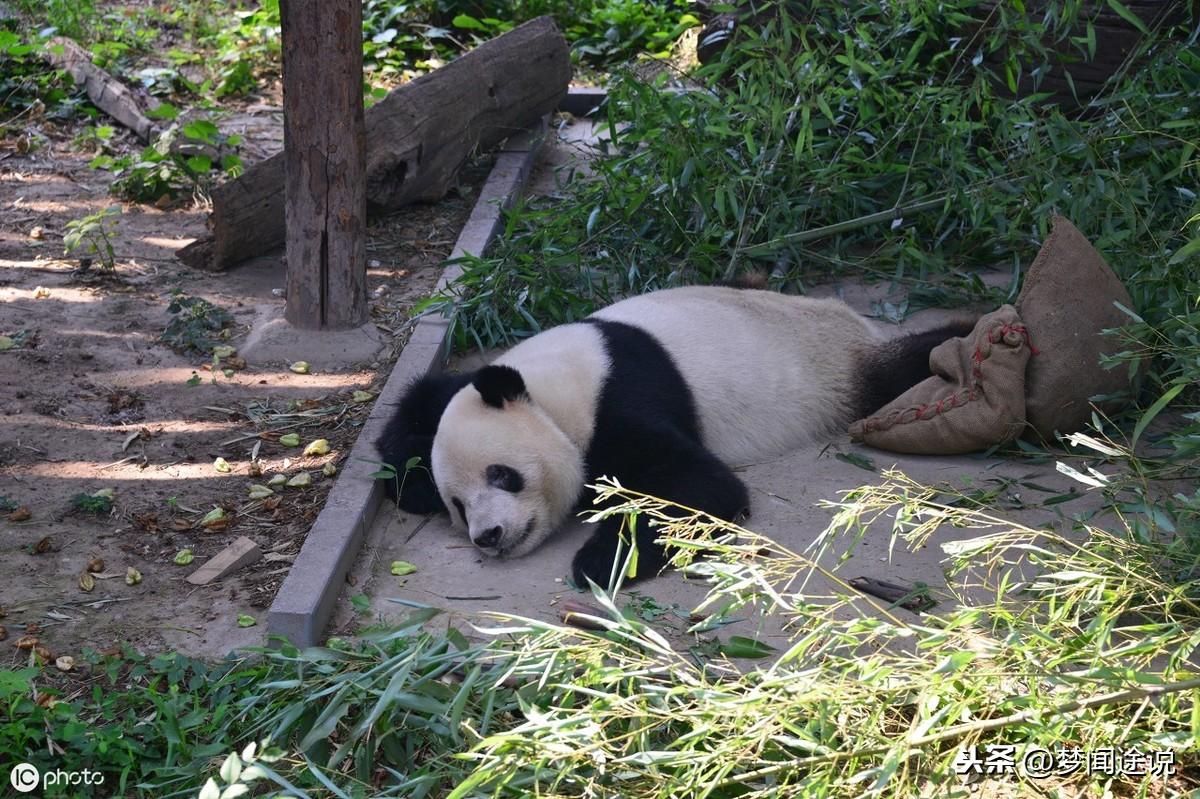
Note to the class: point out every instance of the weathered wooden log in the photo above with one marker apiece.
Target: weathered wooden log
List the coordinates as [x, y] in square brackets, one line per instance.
[106, 92]
[417, 138]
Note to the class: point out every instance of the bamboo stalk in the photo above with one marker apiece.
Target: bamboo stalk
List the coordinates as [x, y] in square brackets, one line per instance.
[841, 227]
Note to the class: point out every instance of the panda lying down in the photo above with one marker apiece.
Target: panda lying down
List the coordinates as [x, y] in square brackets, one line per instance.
[662, 391]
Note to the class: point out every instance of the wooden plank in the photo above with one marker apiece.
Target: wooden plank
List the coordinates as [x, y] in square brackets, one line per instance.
[241, 552]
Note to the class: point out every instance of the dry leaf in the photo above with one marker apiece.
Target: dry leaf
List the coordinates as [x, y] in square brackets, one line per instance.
[300, 480]
[132, 576]
[21, 514]
[26, 642]
[96, 565]
[318, 447]
[86, 581]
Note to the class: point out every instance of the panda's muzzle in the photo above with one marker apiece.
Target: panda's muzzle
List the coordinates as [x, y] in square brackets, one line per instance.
[490, 539]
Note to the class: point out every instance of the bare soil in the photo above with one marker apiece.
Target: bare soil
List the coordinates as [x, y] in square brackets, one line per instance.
[91, 398]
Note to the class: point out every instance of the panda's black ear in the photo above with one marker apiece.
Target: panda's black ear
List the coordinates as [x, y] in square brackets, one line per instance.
[499, 384]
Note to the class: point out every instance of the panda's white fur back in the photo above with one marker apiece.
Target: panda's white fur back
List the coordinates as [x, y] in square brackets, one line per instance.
[768, 371]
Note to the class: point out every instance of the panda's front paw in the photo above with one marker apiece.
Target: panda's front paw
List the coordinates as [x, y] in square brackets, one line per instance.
[594, 561]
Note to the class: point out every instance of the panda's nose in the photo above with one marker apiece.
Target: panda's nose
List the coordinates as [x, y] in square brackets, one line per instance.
[489, 538]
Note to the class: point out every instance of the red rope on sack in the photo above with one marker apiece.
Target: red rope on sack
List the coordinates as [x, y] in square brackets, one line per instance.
[1020, 330]
[957, 399]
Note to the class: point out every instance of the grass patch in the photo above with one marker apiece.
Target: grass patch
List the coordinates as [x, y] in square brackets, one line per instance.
[1059, 641]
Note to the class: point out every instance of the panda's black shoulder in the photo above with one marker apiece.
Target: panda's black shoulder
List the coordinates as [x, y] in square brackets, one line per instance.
[409, 434]
[643, 385]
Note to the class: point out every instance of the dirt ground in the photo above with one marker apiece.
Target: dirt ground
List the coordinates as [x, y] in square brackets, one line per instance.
[91, 399]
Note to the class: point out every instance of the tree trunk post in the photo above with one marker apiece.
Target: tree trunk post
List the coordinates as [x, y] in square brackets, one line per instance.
[325, 163]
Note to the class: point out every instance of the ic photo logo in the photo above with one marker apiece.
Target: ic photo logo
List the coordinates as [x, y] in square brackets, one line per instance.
[24, 777]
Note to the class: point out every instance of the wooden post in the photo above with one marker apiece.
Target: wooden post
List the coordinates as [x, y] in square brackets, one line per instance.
[325, 163]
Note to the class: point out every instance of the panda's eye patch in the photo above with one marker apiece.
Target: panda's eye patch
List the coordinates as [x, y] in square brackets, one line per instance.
[505, 478]
[462, 511]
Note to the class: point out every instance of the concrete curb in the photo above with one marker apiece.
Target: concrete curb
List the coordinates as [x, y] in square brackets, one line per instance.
[306, 599]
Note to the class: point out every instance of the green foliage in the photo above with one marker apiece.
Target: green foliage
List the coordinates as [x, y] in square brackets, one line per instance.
[29, 84]
[196, 324]
[185, 159]
[95, 504]
[599, 31]
[92, 235]
[802, 135]
[159, 718]
[73, 18]
[249, 50]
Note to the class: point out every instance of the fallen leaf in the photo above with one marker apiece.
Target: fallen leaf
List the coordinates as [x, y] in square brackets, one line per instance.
[43, 654]
[260, 492]
[105, 493]
[300, 367]
[26, 642]
[271, 503]
[290, 440]
[402, 567]
[41, 293]
[214, 516]
[277, 480]
[37, 232]
[6, 343]
[96, 564]
[43, 546]
[86, 581]
[3, 632]
[132, 576]
[222, 466]
[20, 514]
[362, 396]
[300, 480]
[146, 522]
[180, 525]
[183, 557]
[329, 470]
[318, 447]
[244, 620]
[224, 351]
[64, 663]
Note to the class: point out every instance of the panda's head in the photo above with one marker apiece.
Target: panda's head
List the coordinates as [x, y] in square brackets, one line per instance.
[506, 472]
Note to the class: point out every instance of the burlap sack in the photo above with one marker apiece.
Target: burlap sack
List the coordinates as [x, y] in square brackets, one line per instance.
[1066, 301]
[975, 399]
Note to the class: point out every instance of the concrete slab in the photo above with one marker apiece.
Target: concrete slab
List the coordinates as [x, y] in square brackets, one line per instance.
[273, 340]
[785, 492]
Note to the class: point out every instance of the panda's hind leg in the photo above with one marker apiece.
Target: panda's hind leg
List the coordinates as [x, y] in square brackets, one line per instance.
[897, 365]
[682, 472]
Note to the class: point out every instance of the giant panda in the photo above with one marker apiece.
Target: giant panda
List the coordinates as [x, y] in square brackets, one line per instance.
[663, 391]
